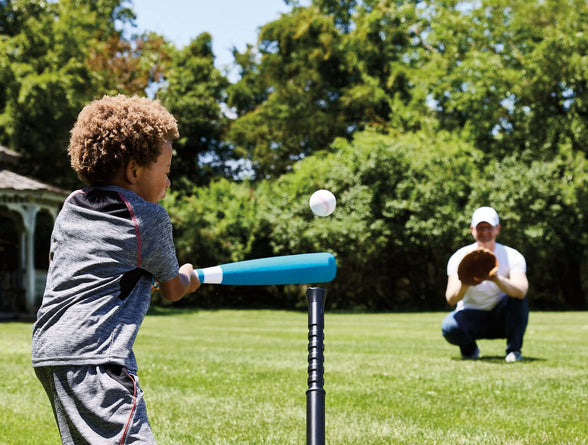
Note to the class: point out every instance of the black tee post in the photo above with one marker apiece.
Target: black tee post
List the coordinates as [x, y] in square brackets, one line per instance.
[315, 394]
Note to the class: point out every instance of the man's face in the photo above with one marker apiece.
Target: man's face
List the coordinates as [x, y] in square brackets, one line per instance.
[485, 233]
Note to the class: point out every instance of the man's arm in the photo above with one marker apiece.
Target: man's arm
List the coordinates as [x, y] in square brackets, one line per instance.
[455, 289]
[516, 286]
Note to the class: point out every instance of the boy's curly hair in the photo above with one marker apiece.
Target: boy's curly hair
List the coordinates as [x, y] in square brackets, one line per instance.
[112, 131]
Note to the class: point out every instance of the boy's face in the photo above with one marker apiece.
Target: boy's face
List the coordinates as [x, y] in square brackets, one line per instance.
[152, 180]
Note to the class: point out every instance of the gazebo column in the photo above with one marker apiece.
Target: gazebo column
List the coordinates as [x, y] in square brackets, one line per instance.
[29, 217]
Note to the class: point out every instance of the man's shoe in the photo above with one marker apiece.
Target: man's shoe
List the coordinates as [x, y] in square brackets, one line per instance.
[513, 357]
[473, 356]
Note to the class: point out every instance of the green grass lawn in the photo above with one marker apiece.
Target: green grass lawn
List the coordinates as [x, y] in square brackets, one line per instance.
[239, 377]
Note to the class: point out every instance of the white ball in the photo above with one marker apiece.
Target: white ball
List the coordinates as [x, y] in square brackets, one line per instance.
[322, 203]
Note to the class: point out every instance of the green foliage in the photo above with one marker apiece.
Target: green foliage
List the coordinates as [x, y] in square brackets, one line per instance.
[298, 83]
[217, 224]
[404, 205]
[512, 75]
[325, 71]
[396, 211]
[54, 58]
[38, 83]
[193, 93]
[386, 232]
[413, 113]
[544, 209]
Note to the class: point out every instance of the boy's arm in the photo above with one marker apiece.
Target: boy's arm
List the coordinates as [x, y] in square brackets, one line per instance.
[186, 281]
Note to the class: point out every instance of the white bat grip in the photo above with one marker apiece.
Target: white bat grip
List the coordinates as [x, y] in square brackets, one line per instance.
[211, 275]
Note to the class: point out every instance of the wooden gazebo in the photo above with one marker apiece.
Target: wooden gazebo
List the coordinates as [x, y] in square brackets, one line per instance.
[27, 212]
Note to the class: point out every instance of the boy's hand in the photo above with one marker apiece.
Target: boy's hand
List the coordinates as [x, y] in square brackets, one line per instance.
[184, 282]
[188, 270]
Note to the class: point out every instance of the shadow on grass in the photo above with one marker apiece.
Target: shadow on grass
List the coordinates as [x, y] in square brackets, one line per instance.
[162, 310]
[499, 360]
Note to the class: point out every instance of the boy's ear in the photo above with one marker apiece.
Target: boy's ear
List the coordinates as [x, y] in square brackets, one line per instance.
[132, 172]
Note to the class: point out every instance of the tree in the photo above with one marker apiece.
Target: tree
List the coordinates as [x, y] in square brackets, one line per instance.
[40, 76]
[193, 93]
[325, 71]
[511, 75]
[295, 107]
[385, 233]
[126, 66]
[54, 58]
[543, 204]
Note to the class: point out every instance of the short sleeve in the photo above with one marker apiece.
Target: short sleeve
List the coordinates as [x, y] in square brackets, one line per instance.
[516, 261]
[158, 254]
[455, 259]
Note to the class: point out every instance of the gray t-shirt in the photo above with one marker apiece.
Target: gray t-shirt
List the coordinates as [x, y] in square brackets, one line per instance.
[107, 245]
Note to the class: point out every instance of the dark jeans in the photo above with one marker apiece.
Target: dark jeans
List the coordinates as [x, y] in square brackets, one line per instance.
[507, 320]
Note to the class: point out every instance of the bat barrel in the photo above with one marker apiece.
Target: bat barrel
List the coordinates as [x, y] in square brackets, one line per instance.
[303, 268]
[315, 395]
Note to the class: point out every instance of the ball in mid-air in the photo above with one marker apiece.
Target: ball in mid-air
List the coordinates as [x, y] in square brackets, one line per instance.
[322, 202]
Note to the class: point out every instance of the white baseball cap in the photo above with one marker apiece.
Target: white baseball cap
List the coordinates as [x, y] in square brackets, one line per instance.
[485, 214]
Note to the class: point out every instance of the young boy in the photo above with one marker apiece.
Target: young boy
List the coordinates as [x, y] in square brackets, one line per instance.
[109, 242]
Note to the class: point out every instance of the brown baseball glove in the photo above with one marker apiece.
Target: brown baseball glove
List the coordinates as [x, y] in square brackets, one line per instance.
[477, 266]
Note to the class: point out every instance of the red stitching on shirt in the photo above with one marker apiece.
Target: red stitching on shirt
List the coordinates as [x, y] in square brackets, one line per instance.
[136, 224]
[74, 193]
[122, 440]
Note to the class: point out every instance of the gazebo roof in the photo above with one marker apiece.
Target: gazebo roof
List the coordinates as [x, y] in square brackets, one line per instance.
[8, 156]
[13, 183]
